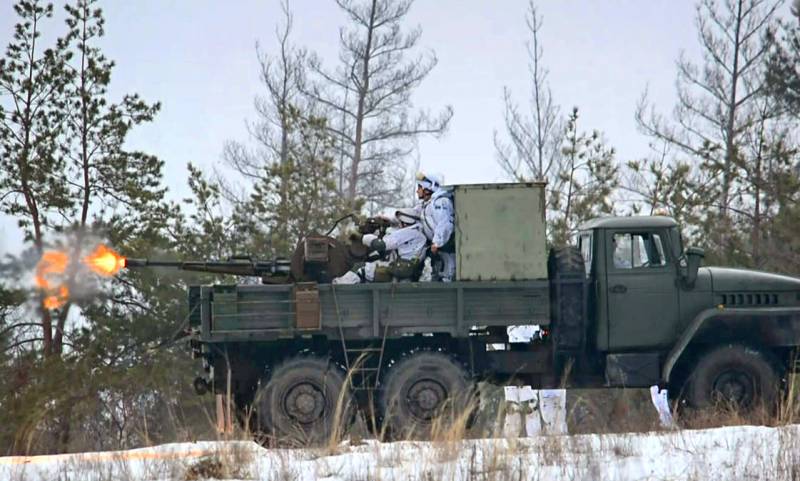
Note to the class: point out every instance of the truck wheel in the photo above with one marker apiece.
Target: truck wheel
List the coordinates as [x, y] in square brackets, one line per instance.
[566, 270]
[423, 391]
[303, 402]
[733, 375]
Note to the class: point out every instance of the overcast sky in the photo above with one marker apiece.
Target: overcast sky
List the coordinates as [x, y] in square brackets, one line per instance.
[198, 59]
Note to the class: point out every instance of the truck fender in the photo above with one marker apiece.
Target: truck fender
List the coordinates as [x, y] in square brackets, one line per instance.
[718, 312]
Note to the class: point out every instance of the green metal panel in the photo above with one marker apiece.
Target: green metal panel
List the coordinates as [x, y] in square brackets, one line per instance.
[250, 307]
[512, 305]
[500, 231]
[248, 312]
[351, 304]
[419, 308]
[642, 299]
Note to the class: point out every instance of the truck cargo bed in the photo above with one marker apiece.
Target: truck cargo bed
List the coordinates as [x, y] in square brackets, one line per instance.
[365, 311]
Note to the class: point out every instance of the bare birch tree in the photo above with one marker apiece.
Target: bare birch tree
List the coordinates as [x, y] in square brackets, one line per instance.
[369, 97]
[289, 174]
[281, 75]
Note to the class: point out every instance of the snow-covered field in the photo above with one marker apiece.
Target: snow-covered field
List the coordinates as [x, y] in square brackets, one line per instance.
[735, 453]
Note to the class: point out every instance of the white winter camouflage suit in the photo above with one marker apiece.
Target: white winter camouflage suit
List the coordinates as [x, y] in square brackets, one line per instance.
[407, 243]
[437, 219]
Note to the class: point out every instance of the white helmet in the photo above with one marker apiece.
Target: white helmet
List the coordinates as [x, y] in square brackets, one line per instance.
[407, 215]
[431, 182]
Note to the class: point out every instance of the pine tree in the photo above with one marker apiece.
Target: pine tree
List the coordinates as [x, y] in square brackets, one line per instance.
[208, 230]
[290, 197]
[69, 180]
[783, 71]
[661, 184]
[539, 145]
[588, 179]
[308, 173]
[783, 81]
[33, 112]
[727, 129]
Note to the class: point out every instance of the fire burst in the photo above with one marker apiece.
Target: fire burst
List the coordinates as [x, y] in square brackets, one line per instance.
[104, 261]
[52, 267]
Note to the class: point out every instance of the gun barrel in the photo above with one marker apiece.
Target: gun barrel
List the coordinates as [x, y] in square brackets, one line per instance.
[237, 267]
[129, 263]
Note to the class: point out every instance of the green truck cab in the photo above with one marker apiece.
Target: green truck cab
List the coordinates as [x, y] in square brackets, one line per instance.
[629, 306]
[661, 318]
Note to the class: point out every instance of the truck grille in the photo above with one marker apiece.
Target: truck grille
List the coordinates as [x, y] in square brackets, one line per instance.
[749, 299]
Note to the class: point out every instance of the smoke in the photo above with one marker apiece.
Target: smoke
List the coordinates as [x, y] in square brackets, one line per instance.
[72, 267]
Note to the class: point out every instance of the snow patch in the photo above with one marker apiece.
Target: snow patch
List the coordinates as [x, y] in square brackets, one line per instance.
[744, 452]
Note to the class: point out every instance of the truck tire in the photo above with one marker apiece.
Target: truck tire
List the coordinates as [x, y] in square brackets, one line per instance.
[303, 402]
[423, 393]
[567, 274]
[566, 261]
[733, 375]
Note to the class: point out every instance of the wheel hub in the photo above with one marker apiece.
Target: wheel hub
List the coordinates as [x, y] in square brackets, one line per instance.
[425, 398]
[305, 403]
[735, 387]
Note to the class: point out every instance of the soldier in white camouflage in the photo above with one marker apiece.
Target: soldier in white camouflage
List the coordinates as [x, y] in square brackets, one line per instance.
[403, 250]
[437, 218]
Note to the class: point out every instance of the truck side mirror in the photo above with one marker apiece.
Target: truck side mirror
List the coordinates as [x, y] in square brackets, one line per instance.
[691, 264]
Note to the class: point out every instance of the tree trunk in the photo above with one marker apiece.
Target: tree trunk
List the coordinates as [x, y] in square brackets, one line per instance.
[23, 162]
[730, 133]
[362, 97]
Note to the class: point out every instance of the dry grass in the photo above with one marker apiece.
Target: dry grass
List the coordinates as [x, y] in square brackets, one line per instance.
[343, 412]
[229, 460]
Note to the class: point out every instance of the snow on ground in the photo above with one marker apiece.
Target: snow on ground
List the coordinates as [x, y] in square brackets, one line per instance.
[729, 453]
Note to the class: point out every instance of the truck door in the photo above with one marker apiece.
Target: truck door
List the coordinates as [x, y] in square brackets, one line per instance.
[641, 290]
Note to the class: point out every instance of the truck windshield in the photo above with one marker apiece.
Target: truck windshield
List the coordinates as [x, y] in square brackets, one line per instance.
[585, 246]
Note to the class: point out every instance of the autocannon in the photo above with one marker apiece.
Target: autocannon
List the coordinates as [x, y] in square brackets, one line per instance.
[316, 258]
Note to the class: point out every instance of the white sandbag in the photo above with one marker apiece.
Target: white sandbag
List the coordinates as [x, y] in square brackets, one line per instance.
[517, 410]
[549, 413]
[661, 403]
[540, 412]
[519, 394]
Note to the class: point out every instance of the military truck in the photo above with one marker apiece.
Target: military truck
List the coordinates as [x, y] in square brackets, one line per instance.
[629, 306]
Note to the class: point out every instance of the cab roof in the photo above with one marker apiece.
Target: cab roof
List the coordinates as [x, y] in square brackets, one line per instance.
[629, 222]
